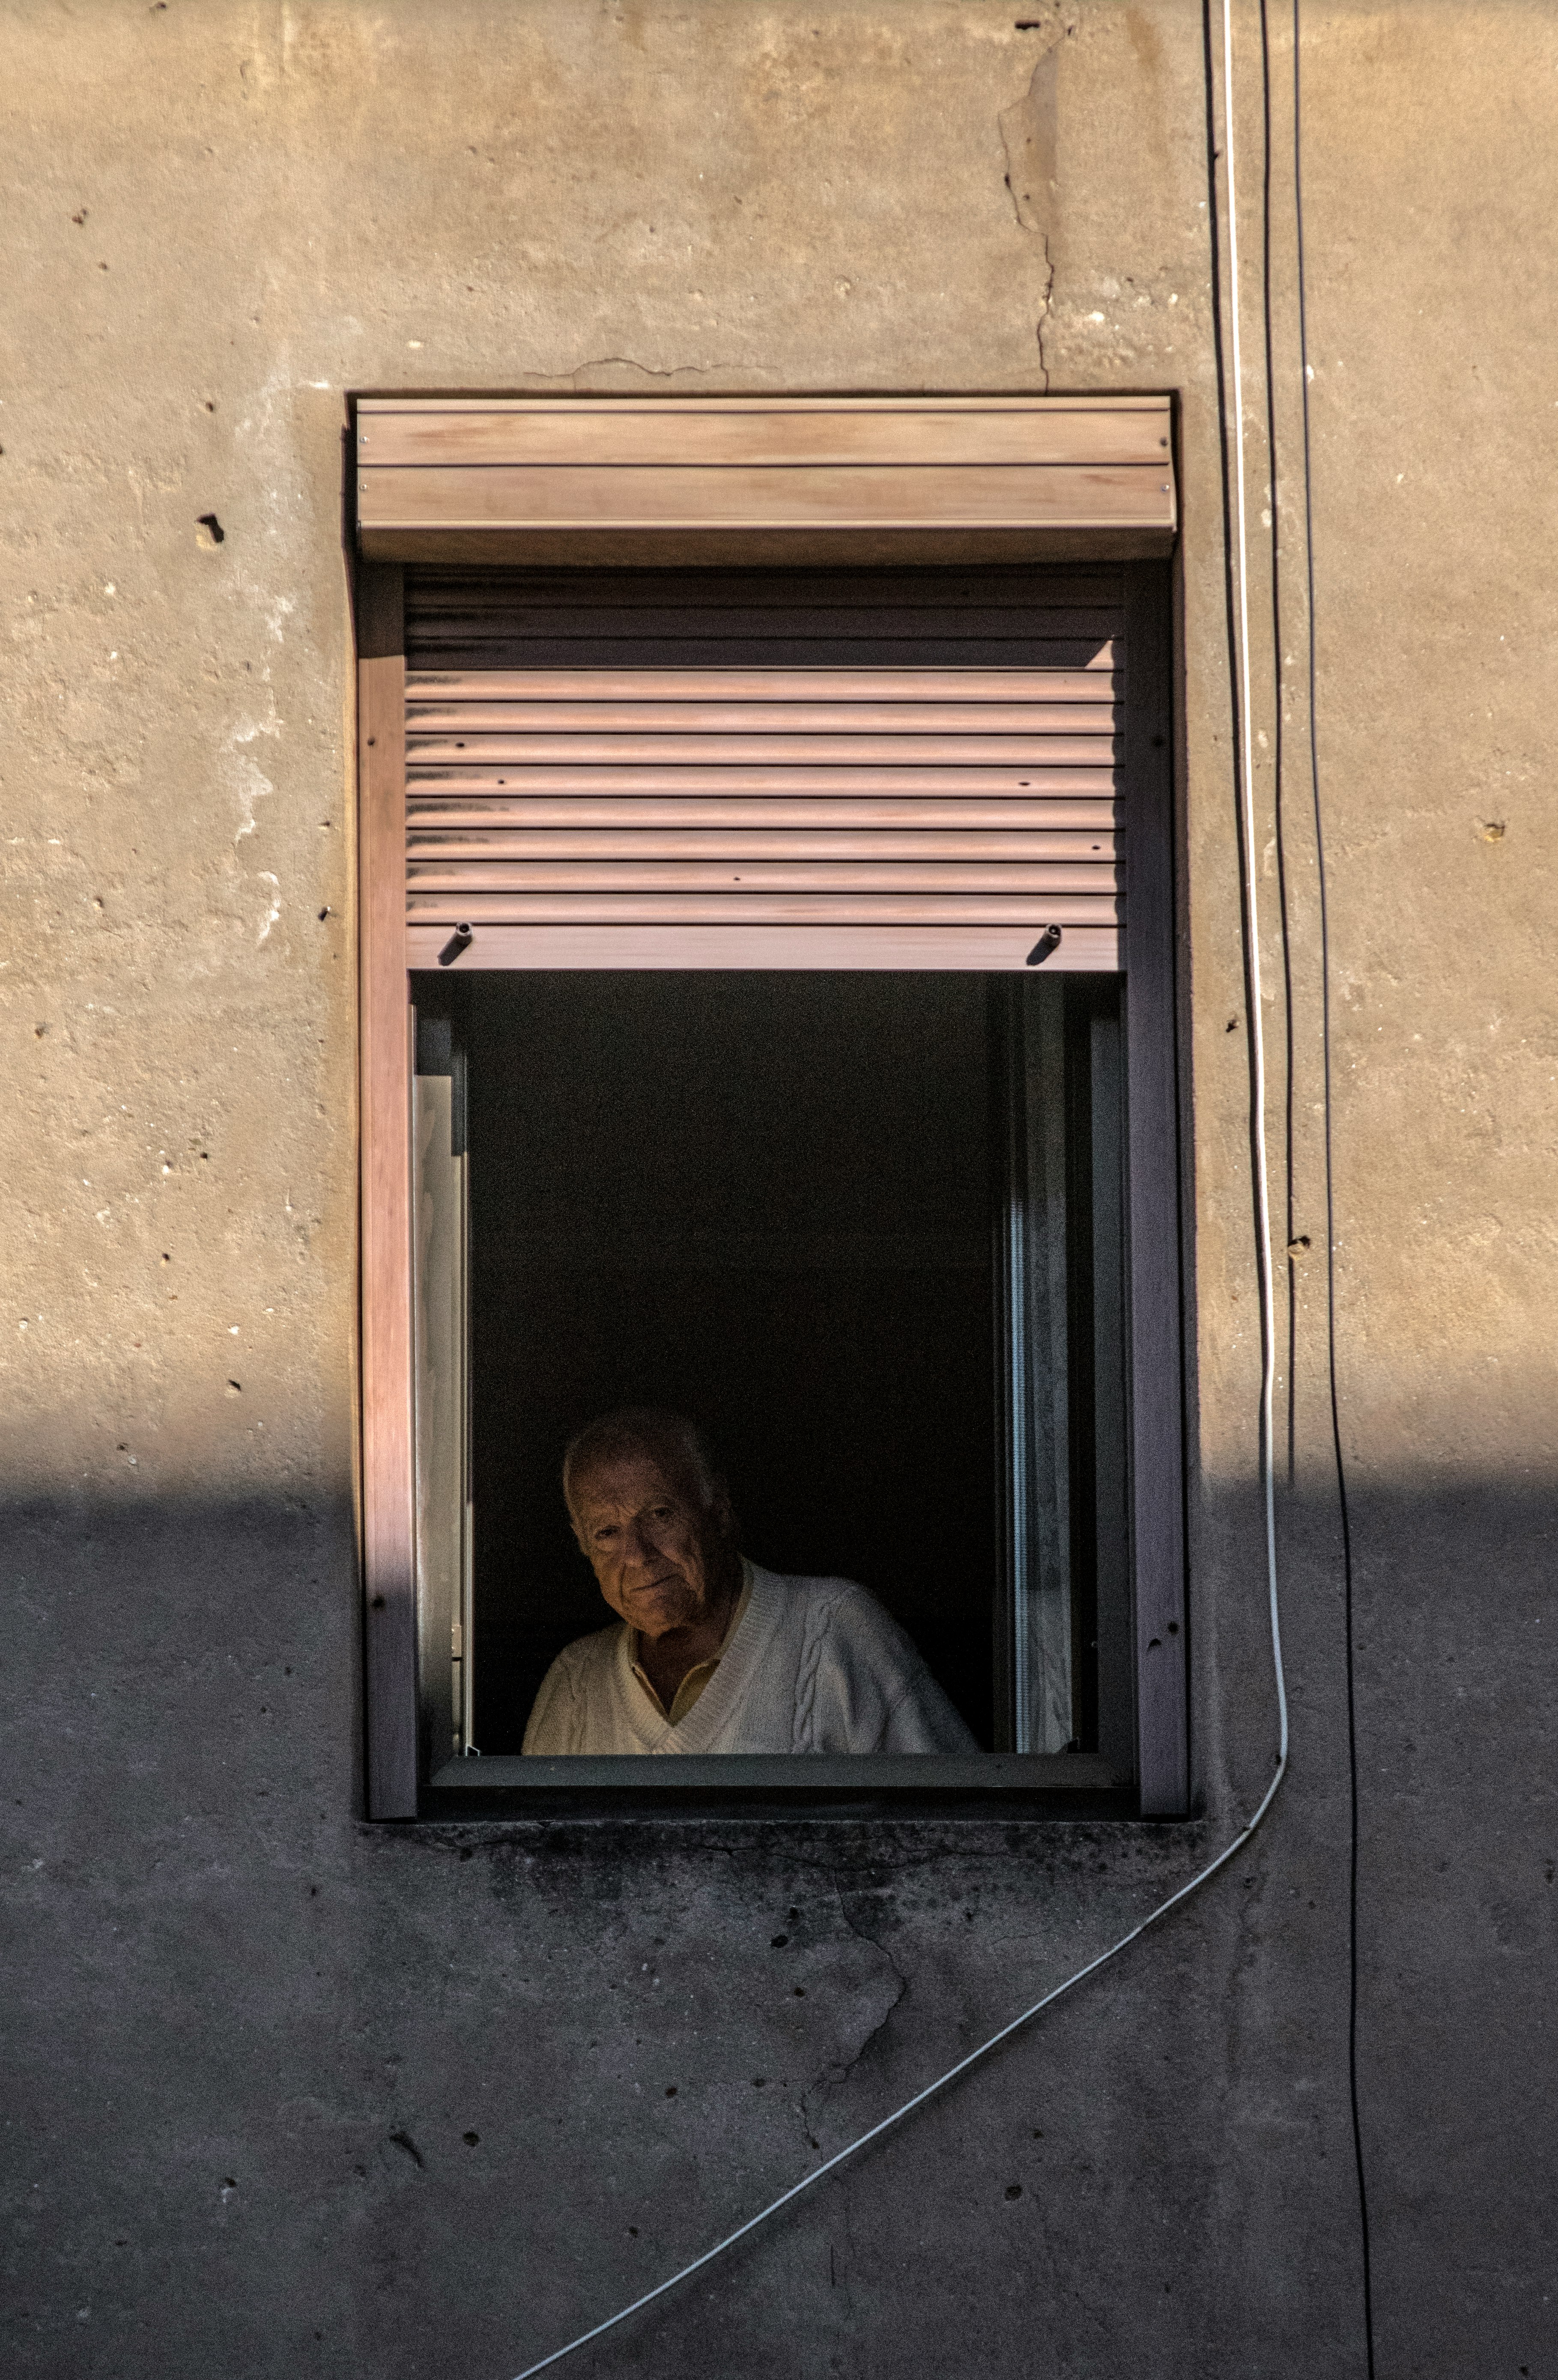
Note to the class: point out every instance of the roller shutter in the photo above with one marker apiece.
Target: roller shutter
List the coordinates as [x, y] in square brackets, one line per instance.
[791, 766]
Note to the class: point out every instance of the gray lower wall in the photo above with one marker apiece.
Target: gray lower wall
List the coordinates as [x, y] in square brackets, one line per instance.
[249, 2032]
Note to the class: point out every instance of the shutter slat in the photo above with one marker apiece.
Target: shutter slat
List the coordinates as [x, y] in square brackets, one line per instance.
[862, 874]
[496, 819]
[468, 854]
[902, 907]
[713, 752]
[468, 690]
[819, 784]
[430, 728]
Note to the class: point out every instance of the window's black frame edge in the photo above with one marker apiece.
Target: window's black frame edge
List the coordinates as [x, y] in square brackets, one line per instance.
[1155, 1203]
[1063, 1786]
[798, 1803]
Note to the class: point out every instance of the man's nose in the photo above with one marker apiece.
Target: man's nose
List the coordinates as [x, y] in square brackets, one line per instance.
[636, 1548]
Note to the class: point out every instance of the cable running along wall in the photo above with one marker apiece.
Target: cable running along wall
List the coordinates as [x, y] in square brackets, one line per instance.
[1235, 466]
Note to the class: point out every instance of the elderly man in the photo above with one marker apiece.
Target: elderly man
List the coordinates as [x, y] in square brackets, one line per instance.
[708, 1651]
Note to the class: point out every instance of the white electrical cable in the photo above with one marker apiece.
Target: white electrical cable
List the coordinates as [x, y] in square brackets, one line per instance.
[1268, 1373]
[1257, 1022]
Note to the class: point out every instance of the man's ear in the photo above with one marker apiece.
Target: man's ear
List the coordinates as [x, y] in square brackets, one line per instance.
[723, 1514]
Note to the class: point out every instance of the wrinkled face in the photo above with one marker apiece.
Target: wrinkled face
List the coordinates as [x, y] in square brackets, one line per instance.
[662, 1561]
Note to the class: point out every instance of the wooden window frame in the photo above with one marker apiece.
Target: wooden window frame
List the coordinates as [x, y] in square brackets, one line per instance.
[1073, 1786]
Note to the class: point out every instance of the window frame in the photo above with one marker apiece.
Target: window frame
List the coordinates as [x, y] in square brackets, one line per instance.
[398, 1783]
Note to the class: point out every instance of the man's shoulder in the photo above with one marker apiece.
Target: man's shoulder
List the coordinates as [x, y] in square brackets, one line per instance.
[587, 1655]
[835, 1602]
[576, 1684]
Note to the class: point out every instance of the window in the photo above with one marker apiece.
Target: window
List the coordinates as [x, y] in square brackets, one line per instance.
[750, 1018]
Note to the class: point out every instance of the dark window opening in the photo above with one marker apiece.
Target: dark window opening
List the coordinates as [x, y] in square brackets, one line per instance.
[867, 1229]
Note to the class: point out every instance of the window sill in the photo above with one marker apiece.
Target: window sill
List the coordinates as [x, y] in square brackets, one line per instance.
[1068, 1785]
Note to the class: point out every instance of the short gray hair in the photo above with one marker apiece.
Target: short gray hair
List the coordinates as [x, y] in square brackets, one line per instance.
[680, 1447]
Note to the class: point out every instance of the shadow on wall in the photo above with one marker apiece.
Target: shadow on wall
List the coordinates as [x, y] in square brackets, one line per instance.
[154, 1637]
[162, 1644]
[235, 2001]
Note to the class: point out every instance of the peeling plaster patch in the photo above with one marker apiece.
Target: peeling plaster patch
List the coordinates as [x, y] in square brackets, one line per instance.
[277, 383]
[1028, 135]
[274, 911]
[249, 782]
[251, 785]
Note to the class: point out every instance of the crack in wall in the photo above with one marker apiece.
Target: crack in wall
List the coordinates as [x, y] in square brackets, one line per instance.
[833, 2078]
[1044, 311]
[900, 1978]
[844, 2281]
[631, 363]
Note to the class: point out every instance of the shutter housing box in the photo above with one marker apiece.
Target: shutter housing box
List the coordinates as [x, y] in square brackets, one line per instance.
[748, 480]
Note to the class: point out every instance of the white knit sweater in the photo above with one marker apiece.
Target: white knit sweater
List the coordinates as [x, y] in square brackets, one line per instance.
[815, 1665]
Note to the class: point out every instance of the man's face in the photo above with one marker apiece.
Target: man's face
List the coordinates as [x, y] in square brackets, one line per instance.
[662, 1562]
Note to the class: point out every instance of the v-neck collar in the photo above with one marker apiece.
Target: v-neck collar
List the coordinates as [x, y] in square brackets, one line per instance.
[702, 1670]
[739, 1662]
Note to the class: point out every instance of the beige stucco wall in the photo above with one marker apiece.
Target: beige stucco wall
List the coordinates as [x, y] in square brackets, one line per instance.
[223, 218]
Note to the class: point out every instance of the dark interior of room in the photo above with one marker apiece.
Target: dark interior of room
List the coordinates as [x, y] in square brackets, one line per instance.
[765, 1199]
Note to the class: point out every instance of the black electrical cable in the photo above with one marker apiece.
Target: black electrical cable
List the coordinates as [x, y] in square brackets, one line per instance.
[1338, 1456]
